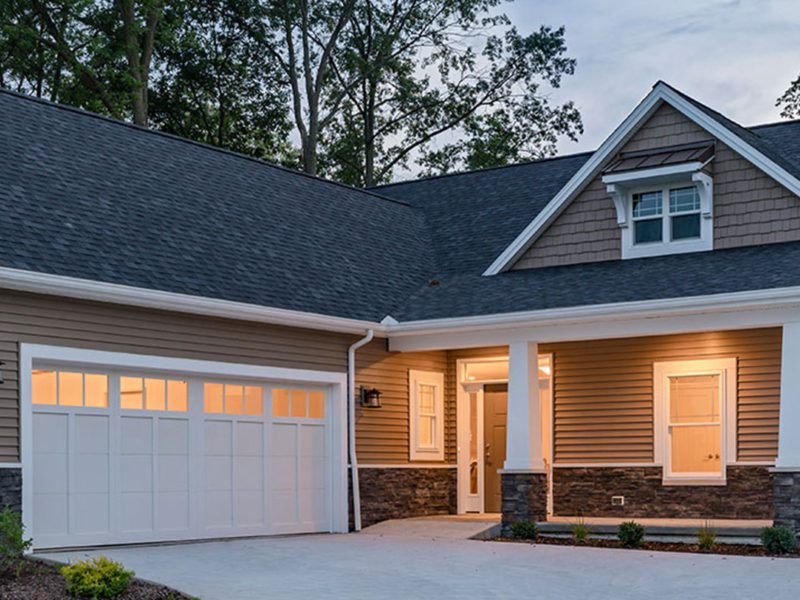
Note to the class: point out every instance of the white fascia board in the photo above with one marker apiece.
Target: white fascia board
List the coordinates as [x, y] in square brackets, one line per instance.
[660, 93]
[760, 308]
[654, 173]
[84, 289]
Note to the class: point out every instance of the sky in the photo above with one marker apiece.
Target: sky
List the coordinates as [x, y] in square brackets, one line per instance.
[736, 56]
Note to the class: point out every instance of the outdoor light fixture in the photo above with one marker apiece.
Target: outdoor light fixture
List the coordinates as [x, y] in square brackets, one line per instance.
[2, 379]
[370, 398]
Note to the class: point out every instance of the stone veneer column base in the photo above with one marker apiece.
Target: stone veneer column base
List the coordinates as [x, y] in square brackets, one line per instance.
[11, 489]
[524, 498]
[786, 498]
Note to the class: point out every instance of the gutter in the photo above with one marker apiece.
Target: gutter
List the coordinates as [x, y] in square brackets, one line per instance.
[85, 289]
[351, 405]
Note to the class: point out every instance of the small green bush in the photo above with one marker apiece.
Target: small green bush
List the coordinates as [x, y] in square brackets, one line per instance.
[96, 578]
[525, 530]
[631, 534]
[778, 540]
[13, 544]
[706, 538]
[580, 532]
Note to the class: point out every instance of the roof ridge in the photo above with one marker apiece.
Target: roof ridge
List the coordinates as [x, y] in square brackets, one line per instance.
[775, 123]
[483, 170]
[204, 145]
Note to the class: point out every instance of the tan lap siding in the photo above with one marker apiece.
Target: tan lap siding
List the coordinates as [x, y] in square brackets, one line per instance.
[604, 393]
[382, 434]
[59, 321]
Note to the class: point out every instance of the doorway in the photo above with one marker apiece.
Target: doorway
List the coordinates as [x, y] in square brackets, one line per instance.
[482, 403]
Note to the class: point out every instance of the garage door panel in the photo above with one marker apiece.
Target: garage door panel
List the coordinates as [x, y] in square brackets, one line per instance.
[136, 473]
[51, 432]
[173, 436]
[250, 508]
[173, 473]
[218, 473]
[91, 473]
[249, 438]
[91, 434]
[50, 475]
[137, 435]
[219, 509]
[173, 511]
[136, 512]
[218, 438]
[51, 514]
[90, 513]
[284, 439]
[312, 441]
[250, 473]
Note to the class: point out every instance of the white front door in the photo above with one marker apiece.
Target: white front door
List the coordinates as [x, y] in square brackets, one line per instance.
[127, 455]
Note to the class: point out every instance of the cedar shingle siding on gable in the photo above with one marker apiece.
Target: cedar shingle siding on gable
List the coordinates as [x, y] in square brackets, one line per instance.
[749, 206]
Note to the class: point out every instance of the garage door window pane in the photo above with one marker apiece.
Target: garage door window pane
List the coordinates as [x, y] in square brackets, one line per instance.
[298, 403]
[96, 390]
[280, 403]
[177, 396]
[131, 393]
[234, 399]
[155, 394]
[44, 387]
[213, 397]
[316, 405]
[252, 401]
[70, 389]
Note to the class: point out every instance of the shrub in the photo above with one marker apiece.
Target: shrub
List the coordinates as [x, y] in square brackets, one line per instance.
[13, 544]
[525, 530]
[706, 537]
[98, 577]
[631, 534]
[580, 532]
[778, 540]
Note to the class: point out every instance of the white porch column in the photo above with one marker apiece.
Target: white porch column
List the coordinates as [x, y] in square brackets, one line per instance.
[524, 422]
[789, 423]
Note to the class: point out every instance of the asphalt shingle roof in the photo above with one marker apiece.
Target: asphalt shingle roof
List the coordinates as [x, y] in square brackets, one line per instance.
[87, 197]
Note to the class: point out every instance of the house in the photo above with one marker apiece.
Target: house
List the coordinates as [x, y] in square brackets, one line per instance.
[191, 338]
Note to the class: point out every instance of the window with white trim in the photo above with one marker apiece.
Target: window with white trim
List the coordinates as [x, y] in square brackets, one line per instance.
[426, 396]
[666, 215]
[695, 420]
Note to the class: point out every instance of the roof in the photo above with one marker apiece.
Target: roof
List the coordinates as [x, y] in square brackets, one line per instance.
[87, 197]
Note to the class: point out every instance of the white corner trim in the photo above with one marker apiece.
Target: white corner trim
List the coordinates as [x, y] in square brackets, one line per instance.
[660, 93]
[85, 289]
[10, 465]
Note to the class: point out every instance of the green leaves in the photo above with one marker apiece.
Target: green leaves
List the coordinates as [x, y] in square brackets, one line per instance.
[790, 101]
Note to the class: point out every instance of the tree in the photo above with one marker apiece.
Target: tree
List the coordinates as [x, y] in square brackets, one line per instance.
[304, 40]
[791, 100]
[445, 82]
[214, 84]
[104, 49]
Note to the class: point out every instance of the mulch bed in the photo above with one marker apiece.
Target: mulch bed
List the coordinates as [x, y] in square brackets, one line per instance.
[42, 581]
[723, 549]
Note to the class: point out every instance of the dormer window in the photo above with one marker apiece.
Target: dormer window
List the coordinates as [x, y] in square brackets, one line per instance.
[663, 200]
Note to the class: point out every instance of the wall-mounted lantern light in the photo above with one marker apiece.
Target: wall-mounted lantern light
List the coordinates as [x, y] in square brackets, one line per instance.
[2, 379]
[370, 398]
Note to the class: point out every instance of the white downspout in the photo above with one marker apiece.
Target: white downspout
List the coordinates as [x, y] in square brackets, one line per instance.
[351, 405]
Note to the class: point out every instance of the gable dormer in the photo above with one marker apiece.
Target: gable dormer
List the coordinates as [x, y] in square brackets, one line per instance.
[669, 183]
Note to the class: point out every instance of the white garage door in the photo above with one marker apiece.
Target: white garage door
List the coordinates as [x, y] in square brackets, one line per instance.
[121, 456]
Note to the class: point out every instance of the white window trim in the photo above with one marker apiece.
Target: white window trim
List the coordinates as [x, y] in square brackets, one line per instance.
[436, 380]
[622, 195]
[726, 368]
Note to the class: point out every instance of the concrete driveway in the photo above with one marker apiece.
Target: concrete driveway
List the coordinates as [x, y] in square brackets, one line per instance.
[408, 564]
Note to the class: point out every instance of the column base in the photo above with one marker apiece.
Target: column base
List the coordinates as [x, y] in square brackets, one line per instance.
[524, 498]
[786, 498]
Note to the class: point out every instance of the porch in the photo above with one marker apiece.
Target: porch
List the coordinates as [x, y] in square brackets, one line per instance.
[673, 430]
